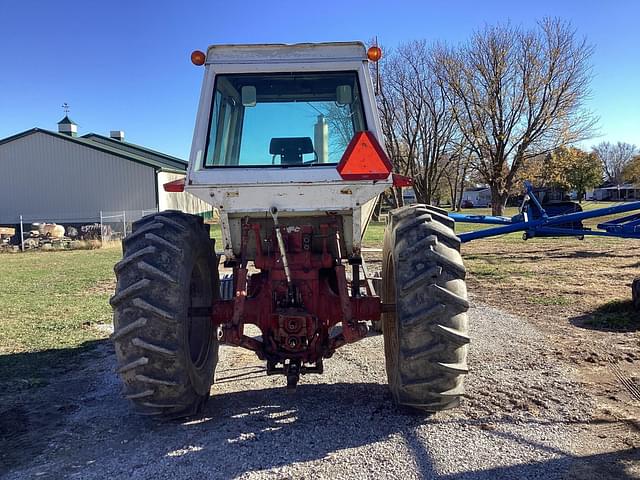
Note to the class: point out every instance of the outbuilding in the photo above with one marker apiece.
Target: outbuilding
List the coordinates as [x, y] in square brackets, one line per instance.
[59, 177]
[617, 193]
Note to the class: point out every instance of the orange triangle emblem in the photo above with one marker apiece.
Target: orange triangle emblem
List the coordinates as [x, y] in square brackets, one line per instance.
[364, 159]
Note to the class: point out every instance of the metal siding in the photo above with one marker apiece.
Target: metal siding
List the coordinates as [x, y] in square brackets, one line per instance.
[52, 179]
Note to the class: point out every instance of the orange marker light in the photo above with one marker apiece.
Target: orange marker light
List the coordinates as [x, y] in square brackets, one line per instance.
[374, 53]
[364, 159]
[198, 57]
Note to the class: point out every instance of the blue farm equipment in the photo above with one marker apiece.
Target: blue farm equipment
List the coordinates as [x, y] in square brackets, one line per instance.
[563, 219]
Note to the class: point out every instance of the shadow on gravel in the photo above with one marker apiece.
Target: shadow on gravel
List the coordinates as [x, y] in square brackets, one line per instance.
[88, 424]
[605, 466]
[263, 429]
[28, 416]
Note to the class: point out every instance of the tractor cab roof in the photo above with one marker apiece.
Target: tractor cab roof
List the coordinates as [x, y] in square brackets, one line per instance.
[286, 53]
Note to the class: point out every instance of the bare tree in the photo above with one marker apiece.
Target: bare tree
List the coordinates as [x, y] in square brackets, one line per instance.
[340, 121]
[417, 120]
[614, 158]
[456, 176]
[399, 132]
[516, 94]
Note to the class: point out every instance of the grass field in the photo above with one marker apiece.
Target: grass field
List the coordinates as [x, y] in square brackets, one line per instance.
[52, 305]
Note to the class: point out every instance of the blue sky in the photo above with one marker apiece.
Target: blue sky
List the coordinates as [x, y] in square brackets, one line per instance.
[125, 64]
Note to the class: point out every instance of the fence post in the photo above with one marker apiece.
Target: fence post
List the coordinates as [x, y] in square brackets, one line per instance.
[124, 223]
[21, 235]
[101, 230]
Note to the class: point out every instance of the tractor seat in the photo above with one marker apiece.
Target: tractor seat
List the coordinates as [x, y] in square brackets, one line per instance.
[290, 149]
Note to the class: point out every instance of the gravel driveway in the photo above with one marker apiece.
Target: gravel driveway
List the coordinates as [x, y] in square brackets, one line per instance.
[525, 418]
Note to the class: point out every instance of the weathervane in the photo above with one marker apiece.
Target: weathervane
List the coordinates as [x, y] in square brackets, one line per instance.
[65, 107]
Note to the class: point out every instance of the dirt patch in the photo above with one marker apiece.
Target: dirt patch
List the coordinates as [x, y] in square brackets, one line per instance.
[555, 278]
[578, 294]
[103, 287]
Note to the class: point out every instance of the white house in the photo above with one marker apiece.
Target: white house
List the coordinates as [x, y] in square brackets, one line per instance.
[476, 197]
[617, 193]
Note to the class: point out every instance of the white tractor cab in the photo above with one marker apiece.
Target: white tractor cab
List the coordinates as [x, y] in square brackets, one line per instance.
[287, 147]
[274, 121]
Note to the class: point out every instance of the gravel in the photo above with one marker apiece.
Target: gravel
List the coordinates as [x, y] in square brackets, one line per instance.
[525, 417]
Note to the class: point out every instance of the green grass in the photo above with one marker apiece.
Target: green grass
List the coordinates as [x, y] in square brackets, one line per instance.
[51, 304]
[216, 233]
[494, 272]
[374, 236]
[615, 315]
[550, 300]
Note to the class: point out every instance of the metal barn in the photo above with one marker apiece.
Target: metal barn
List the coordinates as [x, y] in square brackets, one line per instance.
[60, 177]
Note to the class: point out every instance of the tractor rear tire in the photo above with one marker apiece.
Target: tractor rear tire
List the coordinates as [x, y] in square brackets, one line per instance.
[166, 354]
[425, 339]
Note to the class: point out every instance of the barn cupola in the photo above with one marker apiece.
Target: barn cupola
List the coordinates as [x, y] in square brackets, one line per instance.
[66, 126]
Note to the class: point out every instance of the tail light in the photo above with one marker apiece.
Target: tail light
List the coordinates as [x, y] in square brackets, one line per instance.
[176, 186]
[401, 180]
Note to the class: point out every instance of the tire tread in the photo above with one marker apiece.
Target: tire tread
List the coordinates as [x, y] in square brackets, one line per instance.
[428, 361]
[149, 314]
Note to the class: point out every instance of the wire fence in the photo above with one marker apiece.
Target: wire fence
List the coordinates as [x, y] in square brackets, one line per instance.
[67, 231]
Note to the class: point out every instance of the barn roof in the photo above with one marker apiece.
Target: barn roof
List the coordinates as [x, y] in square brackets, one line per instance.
[136, 149]
[129, 151]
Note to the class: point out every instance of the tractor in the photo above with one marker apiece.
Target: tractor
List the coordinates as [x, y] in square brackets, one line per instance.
[288, 149]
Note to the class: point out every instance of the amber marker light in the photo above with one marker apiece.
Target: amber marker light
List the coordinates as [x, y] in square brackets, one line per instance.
[198, 57]
[374, 53]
